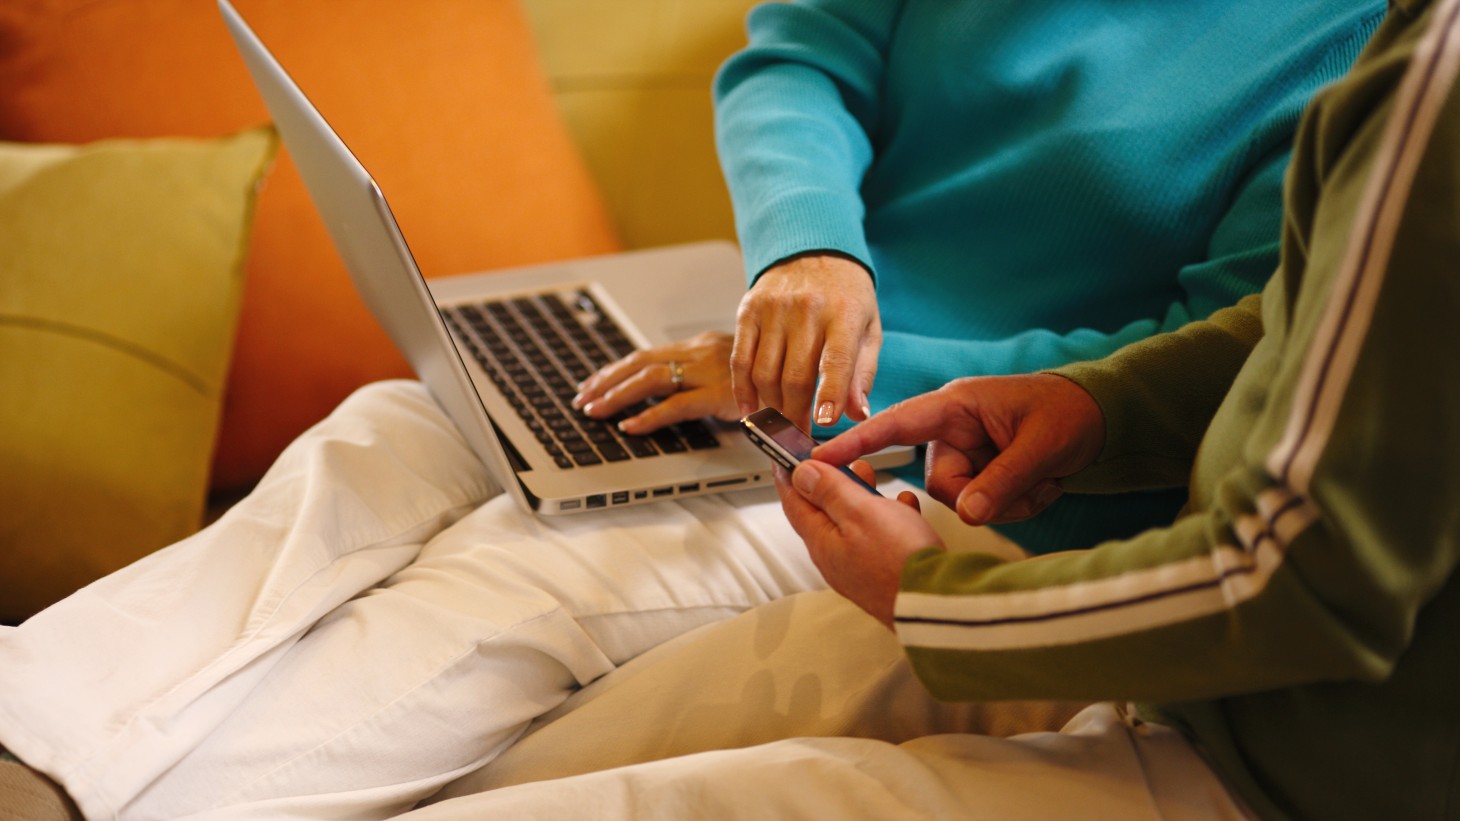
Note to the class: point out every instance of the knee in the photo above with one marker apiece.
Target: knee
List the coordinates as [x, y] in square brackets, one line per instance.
[389, 393]
[390, 427]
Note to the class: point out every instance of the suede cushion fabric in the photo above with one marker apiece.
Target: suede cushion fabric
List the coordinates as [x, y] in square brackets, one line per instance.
[120, 284]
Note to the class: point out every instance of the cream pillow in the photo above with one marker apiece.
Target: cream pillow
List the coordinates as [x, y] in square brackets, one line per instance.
[120, 282]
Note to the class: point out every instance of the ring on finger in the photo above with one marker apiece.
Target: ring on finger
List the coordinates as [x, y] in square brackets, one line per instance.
[676, 375]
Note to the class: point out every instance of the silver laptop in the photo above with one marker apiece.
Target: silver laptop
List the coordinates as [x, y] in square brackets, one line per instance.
[502, 352]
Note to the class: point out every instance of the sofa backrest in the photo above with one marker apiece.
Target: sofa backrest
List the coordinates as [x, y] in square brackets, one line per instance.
[632, 80]
[443, 100]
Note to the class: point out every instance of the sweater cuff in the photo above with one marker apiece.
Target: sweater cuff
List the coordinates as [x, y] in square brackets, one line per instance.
[800, 221]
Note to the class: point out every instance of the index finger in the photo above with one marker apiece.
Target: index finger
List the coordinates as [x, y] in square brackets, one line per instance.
[838, 356]
[910, 422]
[606, 378]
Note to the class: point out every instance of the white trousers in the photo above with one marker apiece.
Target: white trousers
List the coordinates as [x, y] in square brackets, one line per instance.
[374, 620]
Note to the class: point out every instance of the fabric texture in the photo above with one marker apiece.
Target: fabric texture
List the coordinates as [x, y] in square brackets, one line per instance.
[442, 100]
[764, 676]
[26, 794]
[122, 275]
[1030, 184]
[373, 621]
[1312, 589]
[1103, 764]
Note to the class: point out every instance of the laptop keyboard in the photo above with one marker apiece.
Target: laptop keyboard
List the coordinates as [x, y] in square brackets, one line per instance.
[536, 349]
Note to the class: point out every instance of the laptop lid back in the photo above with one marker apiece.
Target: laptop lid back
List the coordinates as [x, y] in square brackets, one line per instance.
[374, 250]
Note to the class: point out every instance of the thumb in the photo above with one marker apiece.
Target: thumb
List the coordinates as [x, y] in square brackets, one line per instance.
[825, 487]
[1002, 482]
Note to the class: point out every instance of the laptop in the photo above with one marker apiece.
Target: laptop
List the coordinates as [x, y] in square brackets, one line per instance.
[502, 352]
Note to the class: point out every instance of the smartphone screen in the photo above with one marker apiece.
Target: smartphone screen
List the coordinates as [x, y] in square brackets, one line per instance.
[785, 443]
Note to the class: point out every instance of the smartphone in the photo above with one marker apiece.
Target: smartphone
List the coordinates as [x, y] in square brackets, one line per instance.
[785, 443]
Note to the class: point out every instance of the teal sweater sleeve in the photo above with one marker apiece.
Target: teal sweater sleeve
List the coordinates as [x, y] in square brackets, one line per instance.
[794, 115]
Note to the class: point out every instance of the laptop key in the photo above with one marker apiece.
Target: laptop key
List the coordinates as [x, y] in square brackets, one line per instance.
[613, 452]
[577, 446]
[640, 446]
[667, 442]
[587, 458]
[697, 436]
[537, 350]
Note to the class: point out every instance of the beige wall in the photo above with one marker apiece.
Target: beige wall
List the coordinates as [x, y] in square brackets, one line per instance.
[632, 79]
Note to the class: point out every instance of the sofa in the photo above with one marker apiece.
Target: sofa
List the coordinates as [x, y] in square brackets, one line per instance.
[172, 314]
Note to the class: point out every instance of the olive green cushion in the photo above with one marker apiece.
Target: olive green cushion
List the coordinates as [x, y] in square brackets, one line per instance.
[120, 282]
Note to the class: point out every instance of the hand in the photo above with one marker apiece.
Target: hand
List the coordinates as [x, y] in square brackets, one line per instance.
[705, 364]
[811, 316]
[858, 541]
[1000, 444]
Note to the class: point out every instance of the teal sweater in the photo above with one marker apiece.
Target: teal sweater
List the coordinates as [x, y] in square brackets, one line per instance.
[1031, 183]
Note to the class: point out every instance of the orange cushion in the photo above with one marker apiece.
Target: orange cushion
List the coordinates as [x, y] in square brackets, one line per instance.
[443, 100]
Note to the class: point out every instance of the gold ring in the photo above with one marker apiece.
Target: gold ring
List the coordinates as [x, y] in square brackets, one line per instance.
[676, 375]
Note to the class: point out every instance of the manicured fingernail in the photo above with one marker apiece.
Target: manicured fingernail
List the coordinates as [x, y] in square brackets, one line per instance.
[977, 508]
[578, 402]
[825, 414]
[866, 410]
[805, 477]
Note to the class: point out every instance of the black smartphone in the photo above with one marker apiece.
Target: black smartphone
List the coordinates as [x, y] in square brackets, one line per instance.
[785, 443]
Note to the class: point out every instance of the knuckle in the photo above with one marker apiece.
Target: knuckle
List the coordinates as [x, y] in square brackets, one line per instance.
[765, 375]
[797, 379]
[836, 359]
[750, 307]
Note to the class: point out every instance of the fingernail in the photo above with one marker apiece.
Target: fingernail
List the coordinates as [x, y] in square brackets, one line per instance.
[977, 508]
[825, 414]
[805, 477]
[866, 410]
[1047, 495]
[578, 402]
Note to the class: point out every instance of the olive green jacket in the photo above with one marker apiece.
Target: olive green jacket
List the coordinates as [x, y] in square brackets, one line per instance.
[1301, 620]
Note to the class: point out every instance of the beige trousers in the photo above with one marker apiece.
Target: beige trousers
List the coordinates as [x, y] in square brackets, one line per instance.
[805, 708]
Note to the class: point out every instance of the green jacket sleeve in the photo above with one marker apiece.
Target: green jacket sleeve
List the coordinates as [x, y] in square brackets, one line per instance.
[1159, 396]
